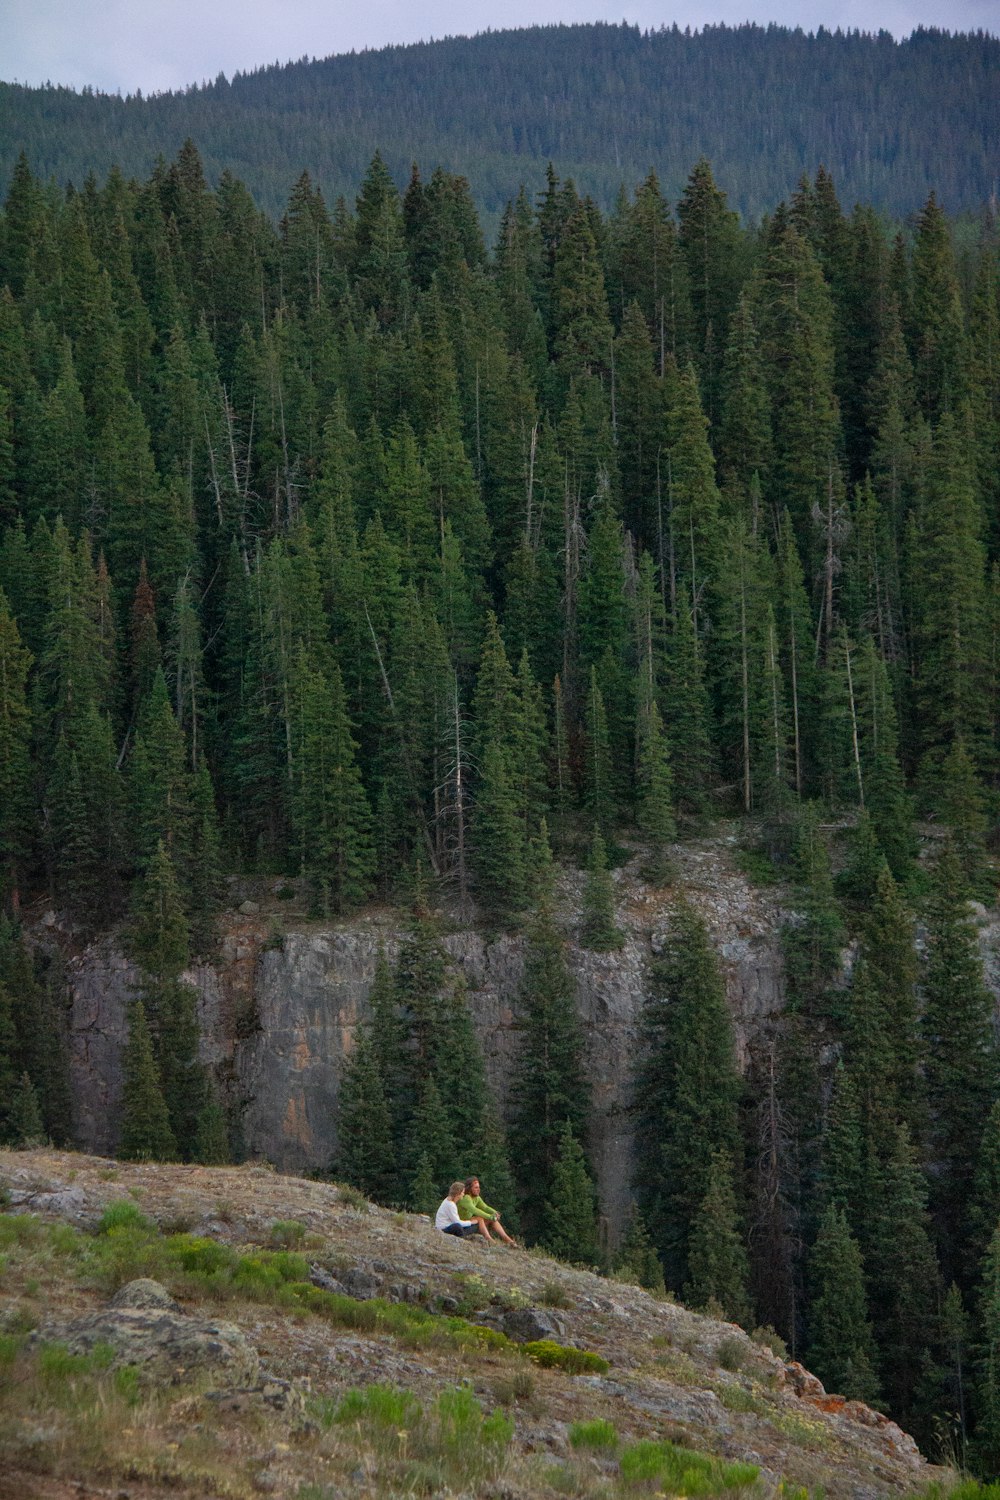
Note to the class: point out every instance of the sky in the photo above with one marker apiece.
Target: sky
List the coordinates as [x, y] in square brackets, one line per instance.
[154, 45]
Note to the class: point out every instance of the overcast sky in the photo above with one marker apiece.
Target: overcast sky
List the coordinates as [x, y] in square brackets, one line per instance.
[164, 44]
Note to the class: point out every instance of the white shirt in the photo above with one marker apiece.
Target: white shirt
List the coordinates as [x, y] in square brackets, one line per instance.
[448, 1214]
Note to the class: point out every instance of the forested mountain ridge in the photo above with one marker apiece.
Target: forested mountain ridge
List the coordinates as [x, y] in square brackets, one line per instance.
[605, 103]
[346, 553]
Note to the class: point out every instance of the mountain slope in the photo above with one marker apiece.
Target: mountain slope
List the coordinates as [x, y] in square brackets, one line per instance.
[261, 1409]
[605, 103]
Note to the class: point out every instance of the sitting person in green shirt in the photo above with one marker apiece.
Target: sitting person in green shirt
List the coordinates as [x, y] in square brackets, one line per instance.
[471, 1206]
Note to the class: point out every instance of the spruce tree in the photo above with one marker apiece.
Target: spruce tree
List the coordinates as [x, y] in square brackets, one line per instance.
[431, 1148]
[598, 929]
[636, 1258]
[654, 782]
[330, 812]
[549, 1086]
[986, 1440]
[146, 1133]
[15, 766]
[211, 1140]
[961, 1055]
[903, 1280]
[27, 1127]
[498, 840]
[813, 945]
[687, 1088]
[367, 1154]
[716, 1259]
[841, 1345]
[983, 1210]
[570, 1213]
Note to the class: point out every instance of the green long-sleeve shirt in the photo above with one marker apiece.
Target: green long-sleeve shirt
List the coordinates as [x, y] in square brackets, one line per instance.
[475, 1208]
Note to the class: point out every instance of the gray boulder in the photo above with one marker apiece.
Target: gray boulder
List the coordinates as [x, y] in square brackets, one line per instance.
[526, 1324]
[146, 1329]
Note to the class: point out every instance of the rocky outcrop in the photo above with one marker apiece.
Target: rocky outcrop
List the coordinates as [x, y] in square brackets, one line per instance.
[145, 1328]
[278, 1016]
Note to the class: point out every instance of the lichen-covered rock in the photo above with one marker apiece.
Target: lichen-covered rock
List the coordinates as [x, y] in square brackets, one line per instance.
[145, 1293]
[144, 1329]
[527, 1324]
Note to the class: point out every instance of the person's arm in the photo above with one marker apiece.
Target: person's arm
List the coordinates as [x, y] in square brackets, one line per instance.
[467, 1207]
[484, 1209]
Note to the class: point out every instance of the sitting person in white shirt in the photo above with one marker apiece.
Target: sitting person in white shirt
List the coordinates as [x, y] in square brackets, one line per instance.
[447, 1218]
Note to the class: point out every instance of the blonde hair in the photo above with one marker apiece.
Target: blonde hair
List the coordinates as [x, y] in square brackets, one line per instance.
[456, 1187]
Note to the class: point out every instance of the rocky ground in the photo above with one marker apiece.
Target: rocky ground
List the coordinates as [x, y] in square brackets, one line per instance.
[202, 1391]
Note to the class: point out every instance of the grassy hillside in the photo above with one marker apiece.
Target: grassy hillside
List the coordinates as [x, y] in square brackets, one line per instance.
[407, 1384]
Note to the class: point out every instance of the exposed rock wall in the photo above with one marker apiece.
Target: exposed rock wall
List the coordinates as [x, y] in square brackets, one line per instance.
[278, 1018]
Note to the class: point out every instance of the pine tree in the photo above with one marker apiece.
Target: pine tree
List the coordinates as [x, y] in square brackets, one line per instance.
[8, 1064]
[887, 936]
[598, 929]
[841, 1346]
[716, 1259]
[146, 1133]
[570, 1214]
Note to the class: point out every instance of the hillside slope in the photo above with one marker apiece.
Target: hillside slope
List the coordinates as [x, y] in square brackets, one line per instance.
[259, 1407]
[604, 103]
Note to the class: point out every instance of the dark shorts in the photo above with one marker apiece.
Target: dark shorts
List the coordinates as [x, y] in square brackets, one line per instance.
[463, 1231]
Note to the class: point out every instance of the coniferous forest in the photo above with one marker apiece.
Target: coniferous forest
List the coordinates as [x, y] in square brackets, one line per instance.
[892, 121]
[349, 551]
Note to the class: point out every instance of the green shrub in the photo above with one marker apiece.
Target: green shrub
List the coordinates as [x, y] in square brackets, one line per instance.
[267, 1272]
[11, 1345]
[553, 1356]
[378, 1406]
[123, 1215]
[199, 1256]
[681, 1471]
[288, 1233]
[553, 1295]
[520, 1386]
[21, 1230]
[353, 1198]
[738, 1398]
[596, 1434]
[120, 1255]
[768, 1338]
[731, 1354]
[57, 1366]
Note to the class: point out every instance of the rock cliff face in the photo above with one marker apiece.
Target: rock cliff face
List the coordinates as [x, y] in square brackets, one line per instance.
[278, 1016]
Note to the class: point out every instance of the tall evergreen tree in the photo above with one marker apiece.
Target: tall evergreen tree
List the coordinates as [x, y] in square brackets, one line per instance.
[570, 1212]
[687, 1088]
[841, 1345]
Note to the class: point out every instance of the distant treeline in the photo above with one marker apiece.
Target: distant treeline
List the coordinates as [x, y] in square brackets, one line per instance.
[606, 103]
